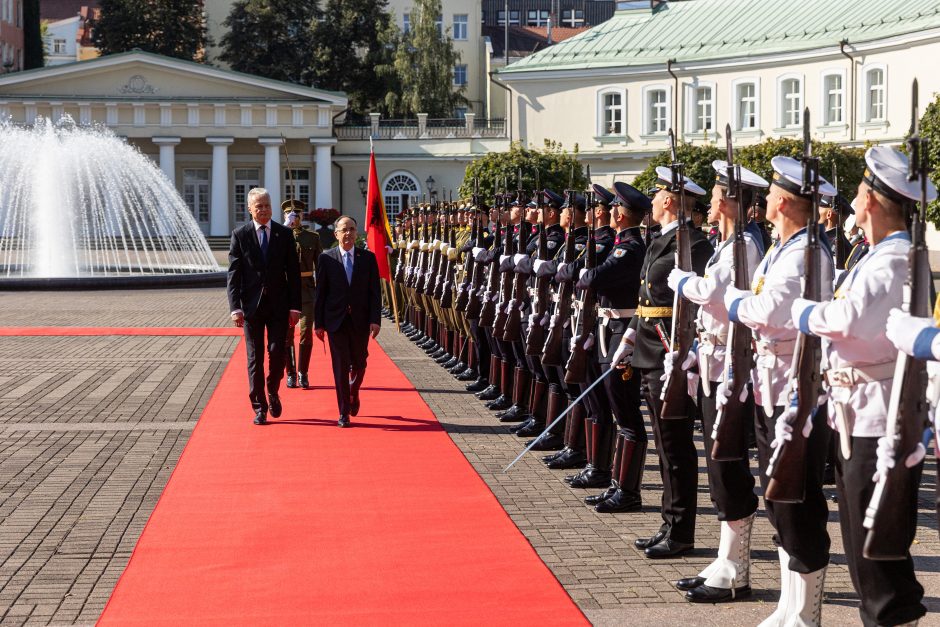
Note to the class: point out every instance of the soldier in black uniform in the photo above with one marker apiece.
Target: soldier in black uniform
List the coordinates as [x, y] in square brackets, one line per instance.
[494, 378]
[832, 211]
[479, 378]
[617, 282]
[678, 460]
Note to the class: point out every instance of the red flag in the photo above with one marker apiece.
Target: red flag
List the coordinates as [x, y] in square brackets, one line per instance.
[378, 233]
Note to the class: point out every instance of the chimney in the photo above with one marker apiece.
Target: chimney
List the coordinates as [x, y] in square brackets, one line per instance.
[549, 32]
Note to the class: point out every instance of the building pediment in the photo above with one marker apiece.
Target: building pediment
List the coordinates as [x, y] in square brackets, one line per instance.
[144, 76]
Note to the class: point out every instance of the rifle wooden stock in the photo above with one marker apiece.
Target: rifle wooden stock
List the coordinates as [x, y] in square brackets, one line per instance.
[535, 340]
[552, 350]
[513, 330]
[505, 287]
[488, 306]
[576, 368]
[675, 395]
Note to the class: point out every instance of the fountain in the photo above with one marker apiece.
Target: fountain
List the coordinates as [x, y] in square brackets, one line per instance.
[80, 208]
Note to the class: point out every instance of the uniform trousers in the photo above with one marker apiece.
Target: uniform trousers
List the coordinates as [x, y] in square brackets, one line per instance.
[623, 396]
[800, 527]
[274, 320]
[730, 483]
[482, 347]
[678, 463]
[598, 407]
[890, 593]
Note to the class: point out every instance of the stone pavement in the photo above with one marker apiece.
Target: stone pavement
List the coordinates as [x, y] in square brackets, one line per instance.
[93, 427]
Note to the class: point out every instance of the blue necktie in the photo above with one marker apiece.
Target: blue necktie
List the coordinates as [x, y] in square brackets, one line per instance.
[264, 243]
[348, 265]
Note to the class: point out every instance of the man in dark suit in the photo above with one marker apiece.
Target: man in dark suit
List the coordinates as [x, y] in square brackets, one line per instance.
[349, 309]
[263, 293]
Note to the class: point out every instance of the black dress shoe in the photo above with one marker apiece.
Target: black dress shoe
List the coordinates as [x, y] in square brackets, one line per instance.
[516, 413]
[443, 358]
[590, 477]
[450, 363]
[499, 403]
[690, 583]
[645, 543]
[549, 442]
[599, 498]
[260, 418]
[522, 425]
[532, 428]
[292, 381]
[470, 374]
[620, 502]
[555, 455]
[707, 594]
[568, 460]
[344, 421]
[275, 403]
[668, 548]
[477, 385]
[304, 382]
[488, 394]
[459, 368]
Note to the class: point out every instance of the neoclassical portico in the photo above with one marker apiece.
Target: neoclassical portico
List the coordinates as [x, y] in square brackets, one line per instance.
[214, 133]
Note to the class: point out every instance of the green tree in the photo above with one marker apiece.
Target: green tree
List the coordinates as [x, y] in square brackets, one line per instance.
[169, 27]
[930, 129]
[34, 53]
[271, 38]
[756, 157]
[553, 164]
[424, 62]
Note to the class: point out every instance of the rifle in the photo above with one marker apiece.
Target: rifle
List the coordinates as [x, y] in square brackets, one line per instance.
[729, 434]
[787, 465]
[675, 395]
[421, 263]
[576, 368]
[447, 287]
[513, 328]
[535, 340]
[488, 311]
[886, 517]
[553, 349]
[434, 264]
[842, 248]
[463, 293]
[474, 296]
[506, 281]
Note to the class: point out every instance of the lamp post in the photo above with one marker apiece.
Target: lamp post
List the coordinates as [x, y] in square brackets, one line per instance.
[432, 193]
[362, 185]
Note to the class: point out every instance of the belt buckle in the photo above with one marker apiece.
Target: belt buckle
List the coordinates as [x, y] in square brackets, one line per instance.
[841, 377]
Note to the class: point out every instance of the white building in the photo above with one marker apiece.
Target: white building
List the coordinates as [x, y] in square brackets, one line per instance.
[61, 41]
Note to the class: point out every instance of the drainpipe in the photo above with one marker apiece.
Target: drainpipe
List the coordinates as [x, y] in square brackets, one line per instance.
[852, 94]
[496, 82]
[675, 97]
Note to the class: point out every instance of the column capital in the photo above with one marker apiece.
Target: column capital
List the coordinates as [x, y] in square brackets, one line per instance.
[270, 141]
[163, 140]
[323, 141]
[220, 141]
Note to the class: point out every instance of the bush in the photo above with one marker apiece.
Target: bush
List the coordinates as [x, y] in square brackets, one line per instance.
[553, 164]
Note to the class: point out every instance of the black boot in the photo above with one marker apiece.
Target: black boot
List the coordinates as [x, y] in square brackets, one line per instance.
[504, 400]
[554, 439]
[573, 455]
[521, 397]
[470, 374]
[492, 391]
[629, 475]
[478, 385]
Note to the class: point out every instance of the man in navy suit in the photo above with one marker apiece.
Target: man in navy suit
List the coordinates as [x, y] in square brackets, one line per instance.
[348, 308]
[263, 293]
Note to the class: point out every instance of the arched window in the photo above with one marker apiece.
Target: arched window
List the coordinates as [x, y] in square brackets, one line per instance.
[399, 190]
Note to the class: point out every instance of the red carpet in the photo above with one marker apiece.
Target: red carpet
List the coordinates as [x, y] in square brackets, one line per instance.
[303, 523]
[77, 331]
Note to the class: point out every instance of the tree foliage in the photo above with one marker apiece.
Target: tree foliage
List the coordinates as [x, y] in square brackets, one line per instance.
[553, 164]
[850, 162]
[169, 27]
[34, 52]
[930, 130]
[424, 64]
[270, 38]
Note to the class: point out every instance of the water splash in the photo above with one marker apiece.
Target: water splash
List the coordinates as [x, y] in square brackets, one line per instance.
[79, 202]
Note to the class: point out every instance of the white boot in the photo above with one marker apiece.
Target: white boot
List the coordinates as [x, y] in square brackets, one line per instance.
[732, 569]
[806, 593]
[778, 618]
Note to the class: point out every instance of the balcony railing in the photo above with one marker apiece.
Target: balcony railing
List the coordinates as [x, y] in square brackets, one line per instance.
[423, 128]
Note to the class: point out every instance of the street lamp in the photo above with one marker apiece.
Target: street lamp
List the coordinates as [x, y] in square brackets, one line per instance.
[429, 183]
[362, 186]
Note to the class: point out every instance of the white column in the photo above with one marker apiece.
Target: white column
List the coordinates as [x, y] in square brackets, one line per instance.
[272, 172]
[218, 203]
[324, 169]
[168, 156]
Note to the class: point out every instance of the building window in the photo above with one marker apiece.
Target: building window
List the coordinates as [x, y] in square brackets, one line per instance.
[572, 18]
[657, 111]
[791, 102]
[460, 113]
[297, 185]
[833, 95]
[196, 193]
[745, 95]
[704, 113]
[406, 23]
[613, 117]
[875, 95]
[58, 46]
[460, 75]
[399, 189]
[537, 18]
[501, 17]
[246, 179]
[460, 27]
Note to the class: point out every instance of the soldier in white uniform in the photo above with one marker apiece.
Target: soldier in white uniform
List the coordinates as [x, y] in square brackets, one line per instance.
[801, 537]
[731, 483]
[861, 370]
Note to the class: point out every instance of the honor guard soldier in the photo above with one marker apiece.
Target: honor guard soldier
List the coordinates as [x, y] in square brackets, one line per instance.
[860, 376]
[643, 346]
[730, 482]
[617, 283]
[833, 211]
[308, 251]
[801, 536]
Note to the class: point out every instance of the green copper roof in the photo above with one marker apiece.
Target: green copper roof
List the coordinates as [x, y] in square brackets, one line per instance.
[699, 30]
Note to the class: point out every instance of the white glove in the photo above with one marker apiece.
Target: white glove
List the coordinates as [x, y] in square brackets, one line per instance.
[798, 308]
[784, 432]
[518, 257]
[724, 393]
[732, 294]
[885, 459]
[624, 350]
[675, 277]
[582, 273]
[690, 360]
[524, 265]
[533, 318]
[477, 253]
[902, 329]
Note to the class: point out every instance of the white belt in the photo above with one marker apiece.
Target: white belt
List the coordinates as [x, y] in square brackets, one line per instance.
[605, 312]
[856, 375]
[714, 339]
[706, 348]
[531, 291]
[777, 348]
